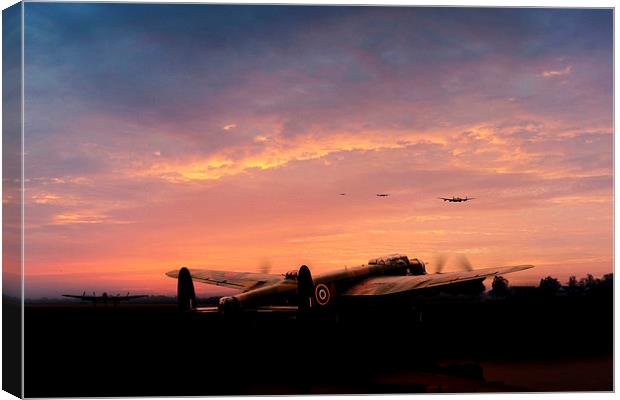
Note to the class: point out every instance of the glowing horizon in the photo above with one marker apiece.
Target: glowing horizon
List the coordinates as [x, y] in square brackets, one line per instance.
[221, 136]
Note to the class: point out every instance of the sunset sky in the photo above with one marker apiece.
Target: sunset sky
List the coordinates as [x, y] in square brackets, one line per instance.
[160, 136]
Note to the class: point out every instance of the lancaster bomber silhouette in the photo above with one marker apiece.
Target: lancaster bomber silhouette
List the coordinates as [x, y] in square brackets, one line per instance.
[456, 199]
[382, 276]
[104, 298]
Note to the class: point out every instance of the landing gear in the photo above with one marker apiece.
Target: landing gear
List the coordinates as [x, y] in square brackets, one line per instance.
[229, 306]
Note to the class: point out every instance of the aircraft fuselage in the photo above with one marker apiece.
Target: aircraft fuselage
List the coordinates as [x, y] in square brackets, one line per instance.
[332, 283]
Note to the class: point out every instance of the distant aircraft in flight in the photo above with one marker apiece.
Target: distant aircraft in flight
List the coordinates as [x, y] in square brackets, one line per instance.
[104, 298]
[390, 275]
[343, 194]
[456, 199]
[383, 194]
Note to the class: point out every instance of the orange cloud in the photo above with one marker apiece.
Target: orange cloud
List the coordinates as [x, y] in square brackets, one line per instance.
[280, 152]
[76, 218]
[45, 198]
[559, 72]
[85, 217]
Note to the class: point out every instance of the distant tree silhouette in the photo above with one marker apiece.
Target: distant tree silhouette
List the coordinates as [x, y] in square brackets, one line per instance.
[573, 285]
[572, 281]
[599, 287]
[589, 283]
[606, 285]
[549, 285]
[499, 287]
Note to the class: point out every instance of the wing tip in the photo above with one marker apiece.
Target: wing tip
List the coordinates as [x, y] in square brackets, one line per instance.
[516, 268]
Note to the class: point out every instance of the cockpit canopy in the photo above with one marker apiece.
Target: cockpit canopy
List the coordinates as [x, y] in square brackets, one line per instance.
[399, 264]
[390, 260]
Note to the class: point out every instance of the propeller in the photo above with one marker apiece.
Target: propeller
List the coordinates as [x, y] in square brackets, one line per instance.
[440, 262]
[462, 263]
[264, 267]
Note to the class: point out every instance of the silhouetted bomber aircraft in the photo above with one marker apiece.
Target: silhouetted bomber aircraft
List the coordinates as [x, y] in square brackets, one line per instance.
[383, 194]
[104, 298]
[380, 277]
[456, 199]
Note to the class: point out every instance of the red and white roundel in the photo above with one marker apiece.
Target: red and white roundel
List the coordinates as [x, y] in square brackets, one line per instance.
[321, 293]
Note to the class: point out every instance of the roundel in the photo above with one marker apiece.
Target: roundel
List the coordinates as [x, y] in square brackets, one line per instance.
[322, 295]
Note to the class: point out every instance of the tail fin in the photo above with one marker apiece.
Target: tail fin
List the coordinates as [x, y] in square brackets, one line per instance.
[305, 288]
[186, 296]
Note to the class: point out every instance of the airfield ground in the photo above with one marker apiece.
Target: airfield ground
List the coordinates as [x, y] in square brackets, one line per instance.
[530, 344]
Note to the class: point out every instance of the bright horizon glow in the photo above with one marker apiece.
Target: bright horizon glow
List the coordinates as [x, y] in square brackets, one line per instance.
[221, 136]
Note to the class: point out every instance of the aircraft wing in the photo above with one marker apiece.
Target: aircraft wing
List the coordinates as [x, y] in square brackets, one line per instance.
[237, 280]
[382, 285]
[121, 298]
[85, 298]
[74, 296]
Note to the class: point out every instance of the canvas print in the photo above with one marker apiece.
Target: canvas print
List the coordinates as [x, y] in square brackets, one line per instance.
[204, 199]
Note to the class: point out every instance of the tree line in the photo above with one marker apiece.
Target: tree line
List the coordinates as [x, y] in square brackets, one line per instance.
[550, 286]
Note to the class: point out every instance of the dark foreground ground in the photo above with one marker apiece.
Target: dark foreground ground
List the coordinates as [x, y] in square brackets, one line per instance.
[461, 345]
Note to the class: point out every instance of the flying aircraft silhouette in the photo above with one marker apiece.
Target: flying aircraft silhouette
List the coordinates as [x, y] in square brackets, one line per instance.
[454, 199]
[383, 194]
[104, 298]
[390, 275]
